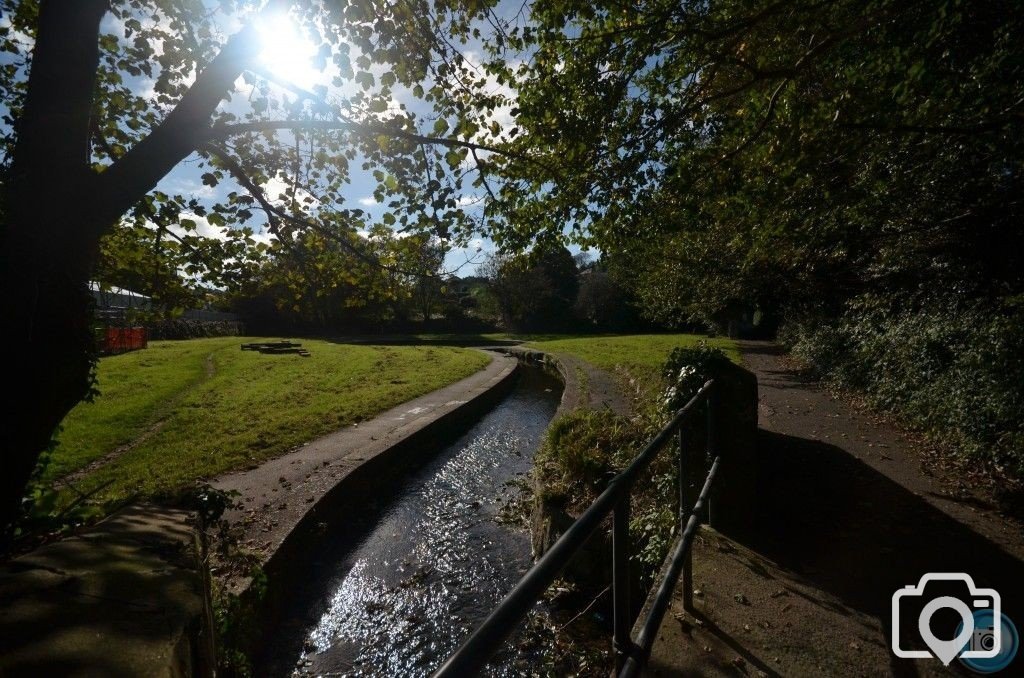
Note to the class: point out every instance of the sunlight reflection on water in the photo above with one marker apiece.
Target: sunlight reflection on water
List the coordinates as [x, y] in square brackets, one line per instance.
[436, 562]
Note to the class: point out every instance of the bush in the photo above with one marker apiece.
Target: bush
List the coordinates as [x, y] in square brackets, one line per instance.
[582, 448]
[182, 328]
[687, 369]
[953, 368]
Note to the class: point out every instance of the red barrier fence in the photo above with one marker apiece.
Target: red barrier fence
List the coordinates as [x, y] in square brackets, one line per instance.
[123, 339]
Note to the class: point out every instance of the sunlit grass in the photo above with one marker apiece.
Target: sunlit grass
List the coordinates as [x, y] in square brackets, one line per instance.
[204, 407]
[640, 354]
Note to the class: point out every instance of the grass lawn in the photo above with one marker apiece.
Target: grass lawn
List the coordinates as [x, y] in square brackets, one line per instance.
[641, 354]
[180, 411]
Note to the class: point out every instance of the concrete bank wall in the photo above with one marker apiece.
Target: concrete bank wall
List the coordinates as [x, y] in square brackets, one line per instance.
[299, 499]
[128, 597]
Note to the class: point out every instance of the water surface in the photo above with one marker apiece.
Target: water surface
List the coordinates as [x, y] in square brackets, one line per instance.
[413, 576]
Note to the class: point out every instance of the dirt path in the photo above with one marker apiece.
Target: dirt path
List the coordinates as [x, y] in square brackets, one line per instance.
[850, 516]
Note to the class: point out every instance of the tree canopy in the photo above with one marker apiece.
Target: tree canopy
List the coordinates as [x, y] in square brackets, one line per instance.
[777, 153]
[831, 161]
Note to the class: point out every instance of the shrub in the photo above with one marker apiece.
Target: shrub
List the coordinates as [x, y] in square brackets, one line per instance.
[182, 328]
[687, 369]
[582, 448]
[953, 368]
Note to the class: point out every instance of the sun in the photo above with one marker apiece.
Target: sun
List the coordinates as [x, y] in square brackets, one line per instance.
[288, 54]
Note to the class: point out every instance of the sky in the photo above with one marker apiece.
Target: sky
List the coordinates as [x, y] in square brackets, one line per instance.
[287, 58]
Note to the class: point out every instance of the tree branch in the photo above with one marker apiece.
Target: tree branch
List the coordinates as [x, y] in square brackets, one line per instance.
[274, 214]
[220, 132]
[139, 170]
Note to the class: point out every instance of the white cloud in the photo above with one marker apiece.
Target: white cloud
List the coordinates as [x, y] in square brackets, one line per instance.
[191, 188]
[278, 188]
[368, 201]
[204, 228]
[502, 114]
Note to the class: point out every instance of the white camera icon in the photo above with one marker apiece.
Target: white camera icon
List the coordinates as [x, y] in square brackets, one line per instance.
[964, 645]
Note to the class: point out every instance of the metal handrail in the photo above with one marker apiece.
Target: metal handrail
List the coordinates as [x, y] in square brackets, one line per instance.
[477, 650]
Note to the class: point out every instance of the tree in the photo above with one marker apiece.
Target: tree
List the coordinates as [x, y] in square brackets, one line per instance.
[776, 153]
[422, 258]
[85, 147]
[534, 291]
[852, 167]
[603, 302]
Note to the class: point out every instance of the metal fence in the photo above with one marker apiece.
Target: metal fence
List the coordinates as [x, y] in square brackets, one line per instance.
[630, 656]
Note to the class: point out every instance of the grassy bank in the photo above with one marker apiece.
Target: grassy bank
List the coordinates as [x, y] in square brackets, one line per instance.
[641, 355]
[180, 411]
[581, 450]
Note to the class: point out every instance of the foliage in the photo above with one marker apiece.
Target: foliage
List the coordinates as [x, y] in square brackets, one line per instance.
[581, 449]
[180, 411]
[174, 271]
[183, 328]
[534, 291]
[854, 166]
[770, 154]
[315, 283]
[686, 370]
[103, 98]
[604, 303]
[949, 368]
[235, 621]
[43, 516]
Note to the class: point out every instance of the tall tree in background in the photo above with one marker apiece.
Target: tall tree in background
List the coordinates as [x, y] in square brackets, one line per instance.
[534, 291]
[86, 146]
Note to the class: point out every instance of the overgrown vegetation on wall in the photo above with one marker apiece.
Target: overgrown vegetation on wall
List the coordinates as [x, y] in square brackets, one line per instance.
[582, 452]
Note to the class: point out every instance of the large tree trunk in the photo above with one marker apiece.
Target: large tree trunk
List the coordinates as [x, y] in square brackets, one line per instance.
[47, 255]
[55, 210]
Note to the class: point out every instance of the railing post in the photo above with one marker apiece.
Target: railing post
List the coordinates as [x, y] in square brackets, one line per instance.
[713, 421]
[621, 641]
[684, 510]
[683, 476]
[712, 432]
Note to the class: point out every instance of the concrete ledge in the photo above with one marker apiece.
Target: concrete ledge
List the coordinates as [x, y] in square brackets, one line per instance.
[288, 501]
[129, 597]
[291, 503]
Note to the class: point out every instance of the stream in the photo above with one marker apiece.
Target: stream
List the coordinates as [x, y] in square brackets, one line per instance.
[422, 567]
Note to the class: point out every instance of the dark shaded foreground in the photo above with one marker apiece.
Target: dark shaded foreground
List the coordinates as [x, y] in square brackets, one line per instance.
[849, 517]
